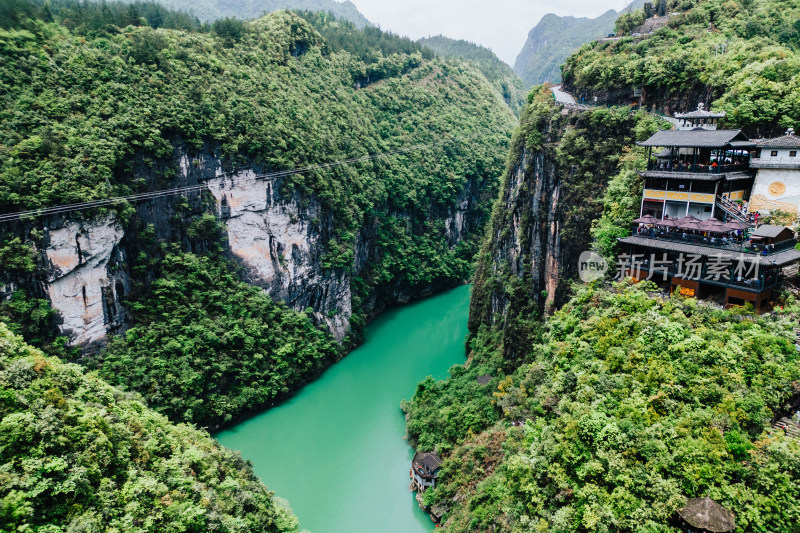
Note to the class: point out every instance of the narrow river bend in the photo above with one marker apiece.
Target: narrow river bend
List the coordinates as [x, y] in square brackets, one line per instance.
[336, 449]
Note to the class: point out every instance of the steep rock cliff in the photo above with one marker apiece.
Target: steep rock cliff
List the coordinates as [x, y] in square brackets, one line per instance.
[345, 242]
[559, 165]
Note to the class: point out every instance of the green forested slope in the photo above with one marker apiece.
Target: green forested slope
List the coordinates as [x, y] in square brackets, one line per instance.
[608, 415]
[210, 10]
[224, 347]
[629, 406]
[79, 455]
[500, 74]
[79, 108]
[88, 105]
[744, 55]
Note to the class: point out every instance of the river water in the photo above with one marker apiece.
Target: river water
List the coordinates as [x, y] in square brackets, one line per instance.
[336, 450]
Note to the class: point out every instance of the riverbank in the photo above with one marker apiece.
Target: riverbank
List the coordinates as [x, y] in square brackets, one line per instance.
[336, 449]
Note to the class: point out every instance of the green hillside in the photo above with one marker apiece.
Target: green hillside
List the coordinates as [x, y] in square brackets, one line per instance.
[211, 10]
[79, 455]
[742, 57]
[500, 74]
[554, 38]
[92, 110]
[629, 405]
[611, 413]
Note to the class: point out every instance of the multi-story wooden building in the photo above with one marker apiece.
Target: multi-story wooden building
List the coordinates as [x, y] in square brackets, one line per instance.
[696, 237]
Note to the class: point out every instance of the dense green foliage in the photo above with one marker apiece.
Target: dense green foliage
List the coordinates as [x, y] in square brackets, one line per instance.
[79, 455]
[370, 44]
[630, 405]
[210, 10]
[621, 205]
[567, 162]
[205, 347]
[744, 53]
[79, 110]
[500, 74]
[88, 17]
[554, 38]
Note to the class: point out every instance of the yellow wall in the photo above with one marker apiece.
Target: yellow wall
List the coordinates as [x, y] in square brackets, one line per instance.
[652, 194]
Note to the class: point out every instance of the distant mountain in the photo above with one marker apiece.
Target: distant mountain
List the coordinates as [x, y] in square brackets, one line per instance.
[501, 75]
[210, 10]
[552, 40]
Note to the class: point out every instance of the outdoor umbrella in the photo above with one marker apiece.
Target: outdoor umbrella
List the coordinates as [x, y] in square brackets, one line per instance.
[688, 218]
[667, 223]
[706, 514]
[734, 225]
[647, 219]
[713, 225]
[690, 225]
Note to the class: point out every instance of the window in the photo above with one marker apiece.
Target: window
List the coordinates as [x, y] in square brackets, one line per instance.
[793, 153]
[774, 153]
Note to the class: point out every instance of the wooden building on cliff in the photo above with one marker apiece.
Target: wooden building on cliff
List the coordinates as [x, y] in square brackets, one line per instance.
[693, 233]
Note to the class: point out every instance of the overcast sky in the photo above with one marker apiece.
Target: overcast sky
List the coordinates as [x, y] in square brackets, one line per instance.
[501, 25]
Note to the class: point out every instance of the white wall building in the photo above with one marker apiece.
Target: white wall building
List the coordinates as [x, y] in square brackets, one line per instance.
[777, 184]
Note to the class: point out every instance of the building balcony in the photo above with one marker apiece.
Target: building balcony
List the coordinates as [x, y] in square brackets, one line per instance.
[698, 168]
[767, 162]
[715, 243]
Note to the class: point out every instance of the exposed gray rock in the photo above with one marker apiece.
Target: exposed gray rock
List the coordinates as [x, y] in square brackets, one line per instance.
[278, 239]
[81, 282]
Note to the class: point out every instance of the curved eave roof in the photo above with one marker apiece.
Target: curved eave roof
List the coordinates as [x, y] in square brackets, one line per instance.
[698, 138]
[787, 141]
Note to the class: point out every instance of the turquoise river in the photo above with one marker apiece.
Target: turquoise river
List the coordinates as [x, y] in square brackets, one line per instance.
[336, 450]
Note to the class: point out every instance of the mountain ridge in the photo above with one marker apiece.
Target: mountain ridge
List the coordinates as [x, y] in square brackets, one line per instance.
[555, 37]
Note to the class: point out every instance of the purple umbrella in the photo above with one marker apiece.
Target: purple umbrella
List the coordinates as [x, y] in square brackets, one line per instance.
[713, 225]
[647, 219]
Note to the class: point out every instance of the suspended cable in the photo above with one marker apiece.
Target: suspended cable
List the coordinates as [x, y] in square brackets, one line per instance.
[106, 202]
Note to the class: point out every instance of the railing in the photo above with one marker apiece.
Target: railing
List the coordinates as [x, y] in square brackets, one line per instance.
[720, 243]
[697, 168]
[732, 208]
[760, 162]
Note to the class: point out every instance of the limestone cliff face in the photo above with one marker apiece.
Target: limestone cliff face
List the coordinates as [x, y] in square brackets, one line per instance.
[559, 166]
[281, 241]
[83, 280]
[280, 238]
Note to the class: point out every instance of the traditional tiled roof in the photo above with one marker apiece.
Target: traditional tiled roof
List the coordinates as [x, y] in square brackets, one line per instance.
[769, 231]
[730, 176]
[783, 258]
[787, 141]
[429, 461]
[697, 138]
[700, 113]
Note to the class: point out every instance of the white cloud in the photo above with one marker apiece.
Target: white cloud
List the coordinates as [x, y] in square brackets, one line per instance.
[501, 25]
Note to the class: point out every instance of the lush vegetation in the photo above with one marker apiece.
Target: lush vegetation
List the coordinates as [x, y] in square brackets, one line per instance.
[79, 455]
[370, 44]
[210, 10]
[745, 54]
[205, 347]
[554, 38]
[566, 162]
[629, 405]
[86, 113]
[501, 75]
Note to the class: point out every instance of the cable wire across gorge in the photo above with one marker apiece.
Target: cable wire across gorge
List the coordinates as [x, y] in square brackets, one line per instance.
[108, 202]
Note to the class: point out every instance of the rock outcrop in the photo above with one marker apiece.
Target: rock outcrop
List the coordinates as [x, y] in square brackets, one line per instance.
[84, 281]
[560, 165]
